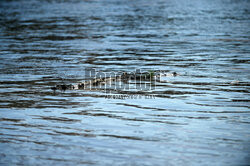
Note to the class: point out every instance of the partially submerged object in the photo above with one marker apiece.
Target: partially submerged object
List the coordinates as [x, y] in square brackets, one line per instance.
[124, 77]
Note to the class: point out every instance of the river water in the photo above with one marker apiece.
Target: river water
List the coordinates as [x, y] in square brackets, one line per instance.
[200, 117]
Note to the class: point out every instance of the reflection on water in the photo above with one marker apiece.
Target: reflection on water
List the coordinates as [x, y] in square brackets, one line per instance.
[197, 118]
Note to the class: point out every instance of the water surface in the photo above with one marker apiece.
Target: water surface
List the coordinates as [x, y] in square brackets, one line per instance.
[198, 118]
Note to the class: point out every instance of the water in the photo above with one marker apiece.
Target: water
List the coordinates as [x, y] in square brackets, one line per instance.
[198, 118]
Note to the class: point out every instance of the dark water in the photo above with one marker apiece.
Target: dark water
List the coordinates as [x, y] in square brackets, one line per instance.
[198, 118]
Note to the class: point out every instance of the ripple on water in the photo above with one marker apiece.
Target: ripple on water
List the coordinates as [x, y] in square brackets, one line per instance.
[196, 118]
